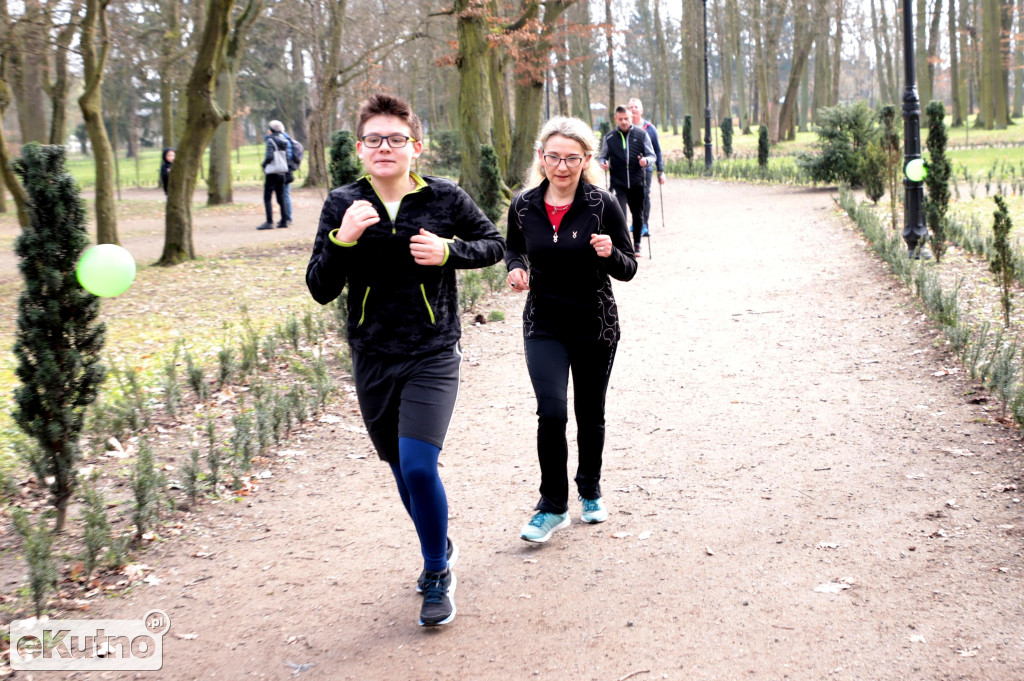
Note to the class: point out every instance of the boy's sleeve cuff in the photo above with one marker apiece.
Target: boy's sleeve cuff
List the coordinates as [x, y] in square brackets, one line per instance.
[333, 236]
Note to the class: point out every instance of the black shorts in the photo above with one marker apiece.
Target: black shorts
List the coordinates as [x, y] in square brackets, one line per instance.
[407, 397]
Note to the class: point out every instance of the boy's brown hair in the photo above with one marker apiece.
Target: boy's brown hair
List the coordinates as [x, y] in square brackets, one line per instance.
[386, 105]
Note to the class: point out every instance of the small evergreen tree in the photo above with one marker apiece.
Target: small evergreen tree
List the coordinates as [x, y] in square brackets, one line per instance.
[146, 484]
[344, 166]
[490, 202]
[937, 179]
[58, 338]
[726, 126]
[688, 139]
[1002, 261]
[844, 133]
[38, 550]
[97, 527]
[890, 144]
[762, 147]
[873, 172]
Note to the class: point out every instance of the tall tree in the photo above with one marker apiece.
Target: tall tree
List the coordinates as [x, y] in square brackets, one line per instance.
[202, 119]
[924, 85]
[609, 33]
[94, 45]
[954, 68]
[474, 90]
[581, 41]
[219, 183]
[497, 57]
[58, 88]
[1018, 76]
[837, 52]
[28, 42]
[737, 52]
[993, 104]
[803, 40]
[664, 95]
[880, 56]
[167, 67]
[326, 69]
[529, 85]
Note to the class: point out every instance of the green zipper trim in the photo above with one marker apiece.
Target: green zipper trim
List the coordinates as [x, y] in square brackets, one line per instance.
[420, 184]
[363, 315]
[623, 139]
[430, 311]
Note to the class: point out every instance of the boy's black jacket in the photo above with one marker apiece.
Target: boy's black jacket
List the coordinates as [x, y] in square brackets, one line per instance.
[396, 307]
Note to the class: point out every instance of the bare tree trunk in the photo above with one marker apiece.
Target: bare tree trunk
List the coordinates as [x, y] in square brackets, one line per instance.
[474, 90]
[28, 55]
[530, 92]
[94, 62]
[610, 47]
[219, 182]
[8, 179]
[166, 68]
[876, 32]
[893, 93]
[725, 53]
[58, 89]
[741, 80]
[803, 40]
[581, 59]
[203, 118]
[837, 53]
[967, 61]
[299, 124]
[502, 125]
[954, 69]
[1018, 78]
[326, 70]
[805, 101]
[561, 69]
[665, 89]
[994, 110]
[933, 48]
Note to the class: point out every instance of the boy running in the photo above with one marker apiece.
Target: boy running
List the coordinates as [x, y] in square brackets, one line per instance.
[396, 239]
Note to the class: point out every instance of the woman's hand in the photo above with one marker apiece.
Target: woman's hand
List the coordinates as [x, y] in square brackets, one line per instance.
[426, 248]
[602, 244]
[360, 215]
[519, 280]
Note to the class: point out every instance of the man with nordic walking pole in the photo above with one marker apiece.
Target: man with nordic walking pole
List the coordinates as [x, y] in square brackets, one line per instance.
[636, 110]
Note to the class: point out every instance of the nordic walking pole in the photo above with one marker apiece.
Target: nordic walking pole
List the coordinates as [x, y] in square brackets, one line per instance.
[661, 199]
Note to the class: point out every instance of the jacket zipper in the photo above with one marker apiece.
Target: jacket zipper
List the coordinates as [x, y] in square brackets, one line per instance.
[426, 302]
[362, 316]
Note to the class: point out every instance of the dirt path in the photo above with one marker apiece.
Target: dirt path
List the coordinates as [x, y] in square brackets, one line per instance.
[775, 425]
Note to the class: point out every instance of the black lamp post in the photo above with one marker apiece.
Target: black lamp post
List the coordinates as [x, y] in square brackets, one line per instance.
[707, 95]
[915, 232]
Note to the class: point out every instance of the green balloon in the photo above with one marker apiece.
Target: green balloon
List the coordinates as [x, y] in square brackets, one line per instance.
[916, 170]
[106, 270]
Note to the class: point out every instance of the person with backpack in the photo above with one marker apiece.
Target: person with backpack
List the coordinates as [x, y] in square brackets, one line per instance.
[636, 109]
[294, 161]
[276, 168]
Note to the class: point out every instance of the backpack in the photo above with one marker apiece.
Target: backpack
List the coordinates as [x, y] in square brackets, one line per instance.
[297, 153]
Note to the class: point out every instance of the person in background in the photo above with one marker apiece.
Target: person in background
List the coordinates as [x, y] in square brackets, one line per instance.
[636, 110]
[627, 151]
[274, 183]
[567, 238]
[396, 239]
[167, 160]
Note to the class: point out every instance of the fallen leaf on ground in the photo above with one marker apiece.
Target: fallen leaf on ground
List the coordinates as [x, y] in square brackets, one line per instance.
[620, 535]
[707, 550]
[646, 534]
[917, 638]
[831, 588]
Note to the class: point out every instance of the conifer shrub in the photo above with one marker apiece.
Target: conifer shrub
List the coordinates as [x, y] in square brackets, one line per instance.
[58, 336]
[688, 139]
[344, 166]
[1002, 261]
[37, 547]
[937, 180]
[890, 144]
[726, 127]
[763, 147]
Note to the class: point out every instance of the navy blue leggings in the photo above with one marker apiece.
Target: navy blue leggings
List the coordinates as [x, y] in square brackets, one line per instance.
[424, 498]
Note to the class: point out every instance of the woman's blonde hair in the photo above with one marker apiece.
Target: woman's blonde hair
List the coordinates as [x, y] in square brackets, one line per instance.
[570, 128]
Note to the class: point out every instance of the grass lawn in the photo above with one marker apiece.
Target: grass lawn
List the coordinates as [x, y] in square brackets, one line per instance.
[144, 171]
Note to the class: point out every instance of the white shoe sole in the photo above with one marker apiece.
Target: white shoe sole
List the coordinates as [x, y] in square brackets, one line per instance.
[451, 597]
[544, 538]
[594, 521]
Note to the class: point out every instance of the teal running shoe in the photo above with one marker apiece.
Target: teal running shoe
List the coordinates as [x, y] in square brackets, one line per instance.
[542, 525]
[594, 510]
